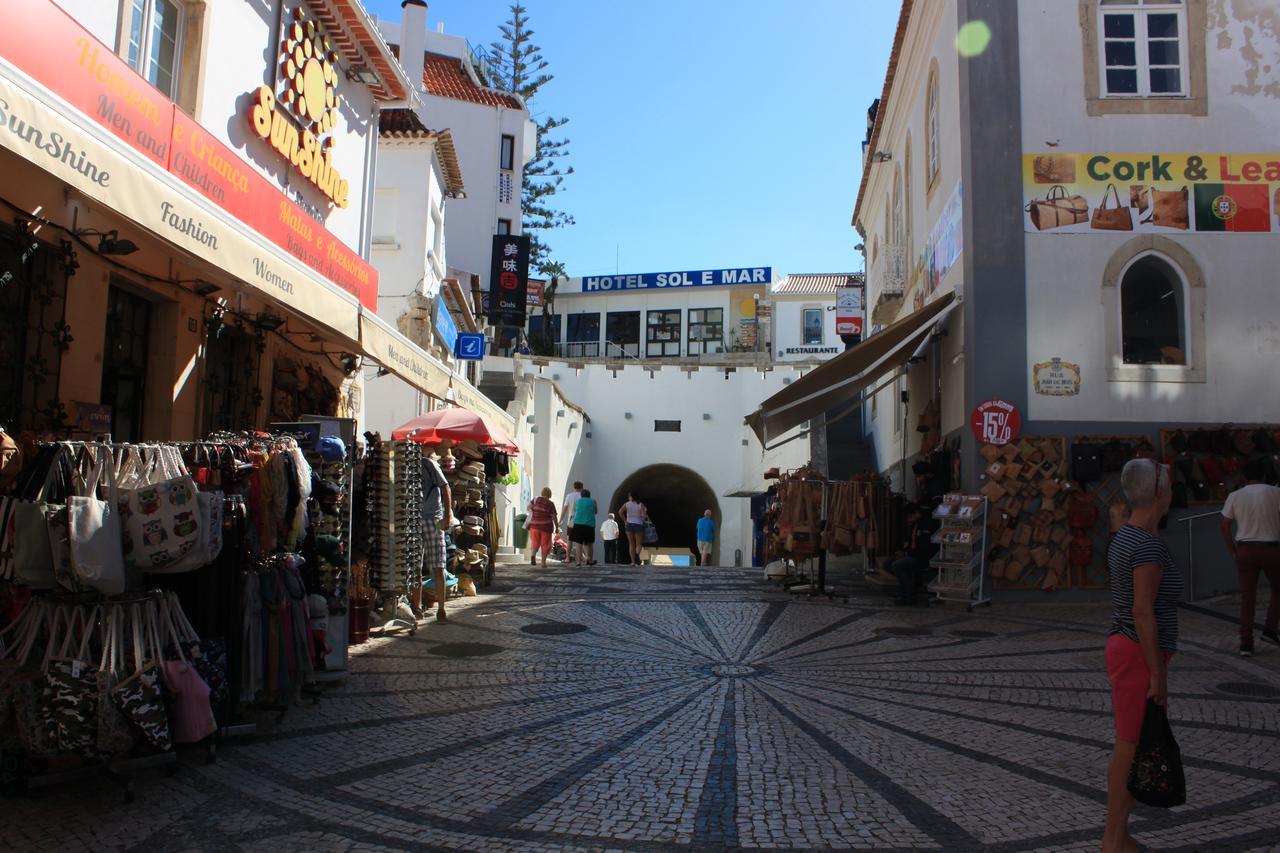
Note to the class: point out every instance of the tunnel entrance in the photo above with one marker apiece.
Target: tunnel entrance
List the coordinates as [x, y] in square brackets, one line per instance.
[675, 497]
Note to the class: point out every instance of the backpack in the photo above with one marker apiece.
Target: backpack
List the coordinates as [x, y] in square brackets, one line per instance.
[1086, 463]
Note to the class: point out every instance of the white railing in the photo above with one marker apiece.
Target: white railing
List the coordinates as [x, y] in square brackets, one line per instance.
[892, 272]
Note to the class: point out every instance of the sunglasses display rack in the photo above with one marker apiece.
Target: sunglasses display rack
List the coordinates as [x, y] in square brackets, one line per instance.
[393, 497]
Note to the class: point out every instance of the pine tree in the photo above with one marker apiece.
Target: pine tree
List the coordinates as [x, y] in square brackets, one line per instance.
[518, 66]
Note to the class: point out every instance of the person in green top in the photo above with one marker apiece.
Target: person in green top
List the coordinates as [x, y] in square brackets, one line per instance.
[583, 534]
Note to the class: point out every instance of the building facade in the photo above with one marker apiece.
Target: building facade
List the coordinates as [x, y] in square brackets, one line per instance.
[192, 221]
[1084, 181]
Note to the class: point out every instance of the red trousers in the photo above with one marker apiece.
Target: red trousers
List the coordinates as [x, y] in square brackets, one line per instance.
[1252, 559]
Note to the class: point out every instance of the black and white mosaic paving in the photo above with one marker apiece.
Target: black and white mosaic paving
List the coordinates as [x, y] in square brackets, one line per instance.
[610, 708]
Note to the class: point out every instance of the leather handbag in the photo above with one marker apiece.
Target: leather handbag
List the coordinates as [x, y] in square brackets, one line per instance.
[1057, 209]
[1106, 218]
[1082, 512]
[1080, 551]
[1168, 209]
[1139, 197]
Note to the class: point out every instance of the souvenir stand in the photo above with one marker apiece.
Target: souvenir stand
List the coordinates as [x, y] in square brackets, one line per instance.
[961, 558]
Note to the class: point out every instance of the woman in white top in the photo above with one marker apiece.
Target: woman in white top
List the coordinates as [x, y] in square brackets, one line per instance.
[634, 514]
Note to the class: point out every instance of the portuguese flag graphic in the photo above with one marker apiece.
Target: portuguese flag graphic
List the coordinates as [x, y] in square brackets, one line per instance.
[1232, 207]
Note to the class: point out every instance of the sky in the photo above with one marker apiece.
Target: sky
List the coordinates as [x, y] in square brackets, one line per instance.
[705, 134]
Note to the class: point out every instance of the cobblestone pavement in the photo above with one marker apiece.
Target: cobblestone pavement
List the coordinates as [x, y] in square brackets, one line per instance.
[610, 708]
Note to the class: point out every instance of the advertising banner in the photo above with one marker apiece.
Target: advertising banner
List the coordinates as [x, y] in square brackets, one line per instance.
[1151, 193]
[946, 240]
[509, 280]
[57, 52]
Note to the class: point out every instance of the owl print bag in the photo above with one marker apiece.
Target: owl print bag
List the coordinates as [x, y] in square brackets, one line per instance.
[160, 516]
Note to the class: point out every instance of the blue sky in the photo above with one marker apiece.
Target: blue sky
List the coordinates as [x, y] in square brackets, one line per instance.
[705, 133]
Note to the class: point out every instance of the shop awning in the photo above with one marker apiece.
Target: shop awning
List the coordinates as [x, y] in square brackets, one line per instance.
[845, 375]
[382, 343]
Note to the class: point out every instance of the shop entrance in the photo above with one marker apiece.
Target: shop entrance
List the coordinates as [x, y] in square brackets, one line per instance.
[675, 497]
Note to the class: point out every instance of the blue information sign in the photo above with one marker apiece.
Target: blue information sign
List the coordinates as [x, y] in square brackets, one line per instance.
[470, 346]
[446, 329]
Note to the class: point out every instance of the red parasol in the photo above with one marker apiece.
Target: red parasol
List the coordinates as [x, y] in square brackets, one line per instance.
[454, 424]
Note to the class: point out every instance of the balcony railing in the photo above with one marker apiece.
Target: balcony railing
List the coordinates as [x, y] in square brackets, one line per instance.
[891, 272]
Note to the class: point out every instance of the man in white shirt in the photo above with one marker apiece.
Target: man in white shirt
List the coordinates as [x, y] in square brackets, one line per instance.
[570, 504]
[609, 533]
[1255, 509]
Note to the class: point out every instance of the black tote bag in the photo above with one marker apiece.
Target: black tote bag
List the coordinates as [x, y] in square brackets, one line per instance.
[1156, 777]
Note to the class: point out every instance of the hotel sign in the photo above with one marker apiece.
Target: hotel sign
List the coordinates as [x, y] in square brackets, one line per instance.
[693, 278]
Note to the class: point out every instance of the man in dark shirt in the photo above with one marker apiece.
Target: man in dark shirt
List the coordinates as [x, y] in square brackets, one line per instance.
[912, 559]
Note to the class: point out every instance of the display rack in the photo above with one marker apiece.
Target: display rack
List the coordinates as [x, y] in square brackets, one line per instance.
[961, 557]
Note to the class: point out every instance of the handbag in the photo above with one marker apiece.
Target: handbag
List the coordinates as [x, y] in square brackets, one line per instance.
[1115, 218]
[140, 697]
[1082, 512]
[1168, 208]
[1156, 777]
[72, 687]
[94, 531]
[208, 655]
[1086, 462]
[190, 714]
[650, 533]
[1057, 209]
[1053, 169]
[161, 517]
[115, 735]
[33, 564]
[1139, 197]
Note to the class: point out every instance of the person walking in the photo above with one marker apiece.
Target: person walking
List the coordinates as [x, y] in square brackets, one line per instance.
[706, 538]
[570, 506]
[436, 509]
[583, 532]
[634, 514]
[1145, 588]
[1255, 509]
[542, 524]
[609, 535]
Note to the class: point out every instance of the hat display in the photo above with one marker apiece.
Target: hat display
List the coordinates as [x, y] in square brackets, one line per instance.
[331, 448]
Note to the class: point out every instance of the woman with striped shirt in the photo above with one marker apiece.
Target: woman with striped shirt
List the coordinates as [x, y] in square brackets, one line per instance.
[1145, 588]
[542, 524]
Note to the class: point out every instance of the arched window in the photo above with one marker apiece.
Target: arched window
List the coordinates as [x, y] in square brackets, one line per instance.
[897, 208]
[933, 153]
[1153, 313]
[906, 195]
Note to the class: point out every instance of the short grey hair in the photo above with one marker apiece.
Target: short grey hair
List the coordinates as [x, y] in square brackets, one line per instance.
[1141, 479]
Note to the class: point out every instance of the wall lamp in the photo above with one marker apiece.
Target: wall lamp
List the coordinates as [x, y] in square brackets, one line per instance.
[268, 322]
[881, 156]
[528, 419]
[362, 74]
[706, 416]
[560, 413]
[382, 371]
[627, 415]
[861, 247]
[206, 288]
[109, 242]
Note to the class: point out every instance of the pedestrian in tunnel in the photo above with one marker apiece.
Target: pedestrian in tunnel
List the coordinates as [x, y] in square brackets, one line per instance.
[583, 533]
[1255, 509]
[706, 538]
[542, 524]
[1145, 588]
[609, 535]
[634, 514]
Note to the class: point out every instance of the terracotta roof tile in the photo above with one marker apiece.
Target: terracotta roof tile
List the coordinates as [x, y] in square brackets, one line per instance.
[401, 122]
[814, 283]
[445, 76]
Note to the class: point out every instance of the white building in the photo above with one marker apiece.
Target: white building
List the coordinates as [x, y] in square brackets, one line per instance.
[804, 312]
[492, 133]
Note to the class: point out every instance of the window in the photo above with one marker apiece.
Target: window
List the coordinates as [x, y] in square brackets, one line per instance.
[906, 196]
[897, 208]
[812, 326]
[933, 154]
[706, 330]
[1143, 49]
[504, 226]
[582, 339]
[622, 334]
[386, 204]
[151, 41]
[507, 155]
[124, 362]
[552, 331]
[663, 338]
[1152, 312]
[666, 426]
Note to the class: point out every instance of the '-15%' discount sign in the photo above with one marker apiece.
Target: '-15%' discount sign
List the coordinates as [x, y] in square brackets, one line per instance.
[996, 422]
